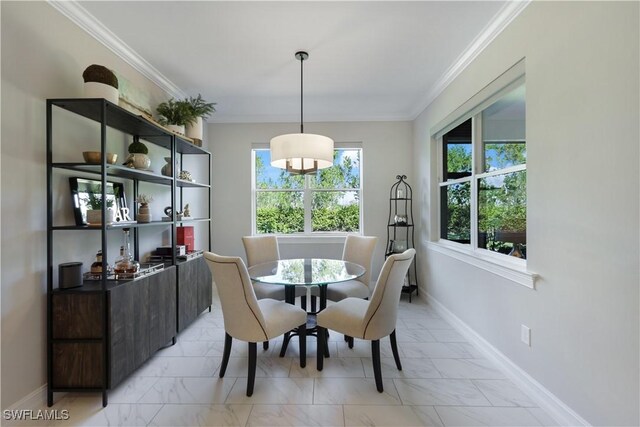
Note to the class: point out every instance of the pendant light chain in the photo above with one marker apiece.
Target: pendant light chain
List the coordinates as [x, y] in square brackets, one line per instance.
[301, 95]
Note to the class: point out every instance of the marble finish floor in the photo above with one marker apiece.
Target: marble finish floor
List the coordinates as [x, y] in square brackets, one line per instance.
[445, 381]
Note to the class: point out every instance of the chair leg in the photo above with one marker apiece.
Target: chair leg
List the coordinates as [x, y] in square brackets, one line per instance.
[251, 378]
[225, 354]
[265, 345]
[326, 343]
[302, 336]
[285, 343]
[350, 342]
[313, 303]
[377, 370]
[320, 351]
[394, 348]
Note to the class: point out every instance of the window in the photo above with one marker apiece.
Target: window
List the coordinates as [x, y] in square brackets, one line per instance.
[327, 202]
[483, 185]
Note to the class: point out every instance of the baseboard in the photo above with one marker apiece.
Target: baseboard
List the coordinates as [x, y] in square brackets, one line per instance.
[546, 400]
[37, 399]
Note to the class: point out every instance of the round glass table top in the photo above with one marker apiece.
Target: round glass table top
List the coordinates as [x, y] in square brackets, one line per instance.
[305, 272]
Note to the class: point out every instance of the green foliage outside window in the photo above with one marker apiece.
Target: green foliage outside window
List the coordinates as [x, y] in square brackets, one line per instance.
[502, 199]
[282, 210]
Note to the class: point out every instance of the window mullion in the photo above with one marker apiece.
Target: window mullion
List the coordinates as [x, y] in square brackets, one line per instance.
[504, 171]
[307, 204]
[477, 160]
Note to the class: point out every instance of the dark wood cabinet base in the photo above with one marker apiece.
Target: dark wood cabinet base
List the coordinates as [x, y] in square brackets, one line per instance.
[140, 320]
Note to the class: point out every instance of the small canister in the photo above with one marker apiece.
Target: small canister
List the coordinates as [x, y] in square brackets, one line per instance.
[69, 275]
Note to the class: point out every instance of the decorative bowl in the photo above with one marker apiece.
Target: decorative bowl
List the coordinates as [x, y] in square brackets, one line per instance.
[95, 157]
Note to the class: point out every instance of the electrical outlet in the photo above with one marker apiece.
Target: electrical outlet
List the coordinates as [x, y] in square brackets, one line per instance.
[525, 335]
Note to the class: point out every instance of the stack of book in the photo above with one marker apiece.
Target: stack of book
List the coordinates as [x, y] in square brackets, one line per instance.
[163, 254]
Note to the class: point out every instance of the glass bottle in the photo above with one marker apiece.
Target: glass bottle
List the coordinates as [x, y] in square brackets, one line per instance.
[126, 264]
[120, 257]
[96, 267]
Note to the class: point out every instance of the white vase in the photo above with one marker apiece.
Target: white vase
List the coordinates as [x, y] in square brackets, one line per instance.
[94, 217]
[101, 90]
[176, 129]
[138, 161]
[195, 130]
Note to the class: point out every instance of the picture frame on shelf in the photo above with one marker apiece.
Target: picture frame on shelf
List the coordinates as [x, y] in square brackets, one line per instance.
[83, 188]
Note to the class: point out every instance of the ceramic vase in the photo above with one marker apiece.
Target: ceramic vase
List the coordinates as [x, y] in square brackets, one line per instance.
[144, 214]
[167, 170]
[139, 161]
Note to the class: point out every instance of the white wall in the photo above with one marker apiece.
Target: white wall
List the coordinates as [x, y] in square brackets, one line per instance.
[386, 153]
[583, 186]
[43, 56]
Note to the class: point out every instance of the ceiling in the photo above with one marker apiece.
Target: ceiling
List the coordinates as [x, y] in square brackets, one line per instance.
[367, 60]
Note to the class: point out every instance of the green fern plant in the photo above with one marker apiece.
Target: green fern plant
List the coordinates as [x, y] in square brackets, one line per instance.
[198, 107]
[175, 112]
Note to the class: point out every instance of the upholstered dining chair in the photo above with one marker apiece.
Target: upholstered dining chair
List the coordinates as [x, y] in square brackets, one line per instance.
[261, 249]
[359, 250]
[369, 320]
[248, 319]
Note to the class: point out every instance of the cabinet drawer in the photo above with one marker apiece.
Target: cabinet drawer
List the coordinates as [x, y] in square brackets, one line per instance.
[77, 316]
[77, 365]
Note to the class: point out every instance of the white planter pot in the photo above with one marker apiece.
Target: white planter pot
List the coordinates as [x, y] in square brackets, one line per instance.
[101, 90]
[94, 217]
[195, 130]
[138, 161]
[176, 129]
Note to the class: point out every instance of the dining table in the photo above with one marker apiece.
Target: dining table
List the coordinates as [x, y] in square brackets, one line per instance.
[307, 272]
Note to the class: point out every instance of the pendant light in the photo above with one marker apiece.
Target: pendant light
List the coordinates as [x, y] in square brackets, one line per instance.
[301, 153]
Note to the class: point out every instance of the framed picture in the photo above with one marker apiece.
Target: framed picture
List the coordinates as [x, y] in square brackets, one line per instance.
[82, 189]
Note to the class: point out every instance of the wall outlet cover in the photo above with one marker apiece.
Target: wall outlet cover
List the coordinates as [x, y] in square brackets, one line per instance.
[525, 335]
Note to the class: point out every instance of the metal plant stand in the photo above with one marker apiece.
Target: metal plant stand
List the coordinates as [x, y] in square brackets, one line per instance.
[401, 230]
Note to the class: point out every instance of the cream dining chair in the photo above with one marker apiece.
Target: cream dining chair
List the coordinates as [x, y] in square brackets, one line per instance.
[248, 319]
[359, 250]
[261, 249]
[369, 320]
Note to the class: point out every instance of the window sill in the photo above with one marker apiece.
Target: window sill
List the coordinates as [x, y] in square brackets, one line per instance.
[513, 271]
[316, 239]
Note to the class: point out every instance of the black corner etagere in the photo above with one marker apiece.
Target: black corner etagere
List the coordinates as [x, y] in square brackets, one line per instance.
[400, 228]
[99, 333]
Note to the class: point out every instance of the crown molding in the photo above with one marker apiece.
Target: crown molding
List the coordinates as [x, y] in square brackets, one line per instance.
[500, 21]
[85, 20]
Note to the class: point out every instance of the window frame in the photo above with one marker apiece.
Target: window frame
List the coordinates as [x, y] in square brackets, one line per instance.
[307, 196]
[506, 266]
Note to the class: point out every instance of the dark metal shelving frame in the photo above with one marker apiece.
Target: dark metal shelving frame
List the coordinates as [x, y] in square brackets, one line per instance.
[109, 115]
[402, 206]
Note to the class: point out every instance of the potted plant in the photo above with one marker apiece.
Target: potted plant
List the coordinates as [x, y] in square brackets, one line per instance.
[144, 214]
[174, 114]
[138, 158]
[199, 109]
[100, 82]
[94, 203]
